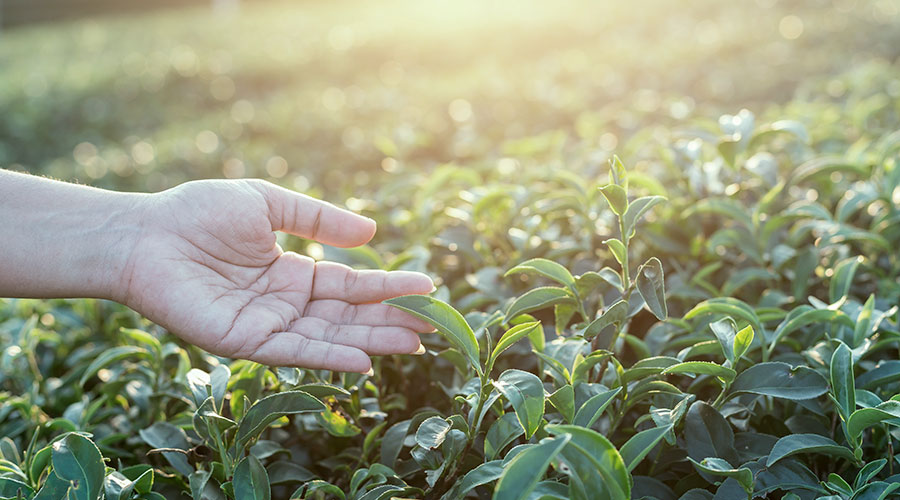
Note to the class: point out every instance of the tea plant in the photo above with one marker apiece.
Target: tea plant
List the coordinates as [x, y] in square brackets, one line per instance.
[714, 317]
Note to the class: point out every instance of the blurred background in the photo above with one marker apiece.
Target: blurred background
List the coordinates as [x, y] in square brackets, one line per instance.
[335, 97]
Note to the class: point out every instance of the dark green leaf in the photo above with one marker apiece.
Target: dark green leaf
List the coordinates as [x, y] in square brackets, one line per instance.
[779, 380]
[708, 434]
[270, 409]
[864, 418]
[77, 460]
[719, 467]
[807, 443]
[251, 482]
[502, 432]
[431, 432]
[885, 372]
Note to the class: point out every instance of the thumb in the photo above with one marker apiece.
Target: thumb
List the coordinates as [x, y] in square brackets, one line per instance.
[314, 219]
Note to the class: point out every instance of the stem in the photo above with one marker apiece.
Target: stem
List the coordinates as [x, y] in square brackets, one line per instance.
[626, 278]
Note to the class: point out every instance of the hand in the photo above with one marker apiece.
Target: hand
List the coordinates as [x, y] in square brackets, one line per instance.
[207, 267]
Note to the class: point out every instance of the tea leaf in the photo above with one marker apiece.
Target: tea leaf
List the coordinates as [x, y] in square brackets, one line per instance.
[546, 268]
[526, 394]
[251, 481]
[448, 321]
[651, 285]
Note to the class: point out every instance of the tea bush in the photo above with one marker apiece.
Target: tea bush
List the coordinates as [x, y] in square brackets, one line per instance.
[712, 316]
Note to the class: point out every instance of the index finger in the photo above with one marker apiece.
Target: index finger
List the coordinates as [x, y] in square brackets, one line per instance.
[307, 217]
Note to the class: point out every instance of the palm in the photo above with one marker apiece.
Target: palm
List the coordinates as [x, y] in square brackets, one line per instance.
[213, 273]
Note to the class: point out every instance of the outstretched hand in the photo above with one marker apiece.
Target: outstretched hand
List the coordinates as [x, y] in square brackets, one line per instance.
[207, 267]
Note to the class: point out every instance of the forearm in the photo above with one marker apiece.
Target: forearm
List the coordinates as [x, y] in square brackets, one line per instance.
[63, 240]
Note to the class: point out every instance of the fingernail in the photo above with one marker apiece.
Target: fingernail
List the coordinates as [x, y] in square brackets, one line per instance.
[420, 351]
[371, 372]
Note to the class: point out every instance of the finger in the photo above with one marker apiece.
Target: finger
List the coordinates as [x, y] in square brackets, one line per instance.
[373, 340]
[337, 281]
[292, 349]
[314, 219]
[343, 313]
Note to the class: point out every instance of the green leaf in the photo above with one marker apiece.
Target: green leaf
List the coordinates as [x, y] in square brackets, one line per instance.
[863, 418]
[13, 488]
[117, 487]
[432, 432]
[780, 380]
[448, 321]
[793, 444]
[651, 286]
[564, 401]
[583, 367]
[805, 315]
[708, 434]
[842, 382]
[512, 336]
[522, 473]
[636, 209]
[318, 486]
[54, 488]
[618, 250]
[271, 408]
[702, 367]
[197, 482]
[502, 432]
[842, 278]
[111, 356]
[483, 474]
[719, 467]
[617, 173]
[725, 331]
[526, 394]
[596, 468]
[616, 197]
[885, 372]
[868, 471]
[638, 446]
[726, 306]
[546, 268]
[166, 435]
[864, 321]
[77, 460]
[591, 410]
[742, 342]
[337, 424]
[537, 298]
[251, 482]
[616, 314]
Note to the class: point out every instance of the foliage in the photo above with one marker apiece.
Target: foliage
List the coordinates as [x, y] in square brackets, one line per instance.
[713, 316]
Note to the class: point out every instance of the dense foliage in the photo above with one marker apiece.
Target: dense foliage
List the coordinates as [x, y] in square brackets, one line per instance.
[713, 316]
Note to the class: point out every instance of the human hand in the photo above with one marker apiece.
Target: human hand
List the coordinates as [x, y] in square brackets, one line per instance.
[207, 267]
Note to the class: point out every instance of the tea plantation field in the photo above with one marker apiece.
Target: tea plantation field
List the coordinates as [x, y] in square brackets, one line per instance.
[664, 234]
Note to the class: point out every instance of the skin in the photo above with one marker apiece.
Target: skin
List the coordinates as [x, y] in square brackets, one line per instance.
[202, 260]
